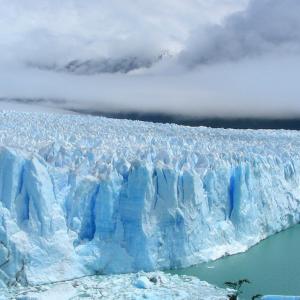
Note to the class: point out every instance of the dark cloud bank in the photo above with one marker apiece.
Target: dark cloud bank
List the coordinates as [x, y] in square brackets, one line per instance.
[265, 27]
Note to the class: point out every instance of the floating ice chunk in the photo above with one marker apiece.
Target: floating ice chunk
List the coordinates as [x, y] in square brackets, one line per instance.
[280, 297]
[121, 287]
[142, 282]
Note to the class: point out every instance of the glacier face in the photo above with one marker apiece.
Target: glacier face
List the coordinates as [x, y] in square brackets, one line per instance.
[84, 195]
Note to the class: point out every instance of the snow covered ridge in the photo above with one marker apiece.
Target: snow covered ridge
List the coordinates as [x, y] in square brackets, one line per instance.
[105, 65]
[84, 195]
[153, 286]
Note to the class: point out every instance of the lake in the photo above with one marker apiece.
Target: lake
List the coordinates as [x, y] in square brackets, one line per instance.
[272, 266]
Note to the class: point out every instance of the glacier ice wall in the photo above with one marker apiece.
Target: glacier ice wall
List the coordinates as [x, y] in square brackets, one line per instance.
[84, 195]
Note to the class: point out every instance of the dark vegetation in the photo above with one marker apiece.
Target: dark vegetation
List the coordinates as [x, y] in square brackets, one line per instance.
[236, 286]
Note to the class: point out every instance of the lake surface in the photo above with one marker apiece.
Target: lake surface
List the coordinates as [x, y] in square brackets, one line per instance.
[272, 266]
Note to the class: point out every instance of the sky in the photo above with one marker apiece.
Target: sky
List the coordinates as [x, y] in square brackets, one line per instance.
[226, 58]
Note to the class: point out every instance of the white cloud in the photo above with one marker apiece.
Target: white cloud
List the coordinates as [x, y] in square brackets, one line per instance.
[59, 31]
[248, 65]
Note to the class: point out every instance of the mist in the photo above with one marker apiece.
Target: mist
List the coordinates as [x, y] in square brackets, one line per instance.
[224, 59]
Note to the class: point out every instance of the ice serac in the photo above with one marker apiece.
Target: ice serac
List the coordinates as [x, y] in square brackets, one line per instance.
[83, 195]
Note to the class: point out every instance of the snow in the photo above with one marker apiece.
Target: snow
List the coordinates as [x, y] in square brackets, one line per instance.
[119, 287]
[84, 195]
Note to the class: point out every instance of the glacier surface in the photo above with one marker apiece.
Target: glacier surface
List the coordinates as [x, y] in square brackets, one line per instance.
[86, 195]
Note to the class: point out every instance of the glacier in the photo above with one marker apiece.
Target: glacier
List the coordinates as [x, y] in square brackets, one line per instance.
[83, 195]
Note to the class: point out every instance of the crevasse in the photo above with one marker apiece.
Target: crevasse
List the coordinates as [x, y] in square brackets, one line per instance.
[83, 195]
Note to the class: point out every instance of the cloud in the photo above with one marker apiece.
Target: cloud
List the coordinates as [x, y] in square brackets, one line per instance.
[244, 65]
[261, 87]
[56, 32]
[265, 27]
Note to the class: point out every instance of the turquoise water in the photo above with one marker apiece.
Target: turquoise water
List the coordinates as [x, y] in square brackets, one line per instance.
[272, 266]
